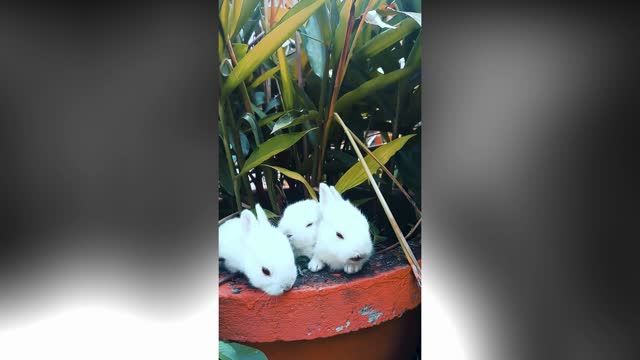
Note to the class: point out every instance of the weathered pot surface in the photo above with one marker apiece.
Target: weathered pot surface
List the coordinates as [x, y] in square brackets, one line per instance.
[320, 304]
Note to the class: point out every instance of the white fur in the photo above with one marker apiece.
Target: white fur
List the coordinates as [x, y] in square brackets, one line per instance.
[248, 244]
[299, 223]
[340, 216]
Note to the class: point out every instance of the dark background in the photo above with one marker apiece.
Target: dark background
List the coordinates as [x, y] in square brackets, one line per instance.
[108, 158]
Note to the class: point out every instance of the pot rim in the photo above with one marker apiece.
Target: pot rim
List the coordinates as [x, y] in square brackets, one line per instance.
[309, 312]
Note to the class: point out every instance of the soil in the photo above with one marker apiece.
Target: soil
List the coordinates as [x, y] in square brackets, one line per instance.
[378, 263]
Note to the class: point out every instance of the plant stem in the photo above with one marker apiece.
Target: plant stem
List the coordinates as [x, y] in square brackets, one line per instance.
[240, 156]
[243, 86]
[269, 174]
[341, 71]
[299, 62]
[413, 229]
[227, 152]
[415, 267]
[336, 89]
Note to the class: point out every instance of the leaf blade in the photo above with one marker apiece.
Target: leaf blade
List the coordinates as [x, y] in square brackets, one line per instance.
[386, 39]
[356, 175]
[288, 120]
[262, 78]
[372, 86]
[269, 44]
[243, 10]
[314, 45]
[296, 176]
[270, 148]
[288, 92]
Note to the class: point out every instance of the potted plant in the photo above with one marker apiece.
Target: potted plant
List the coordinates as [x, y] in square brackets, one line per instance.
[324, 91]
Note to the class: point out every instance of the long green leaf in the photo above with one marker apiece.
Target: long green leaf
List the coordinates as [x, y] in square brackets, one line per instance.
[240, 50]
[262, 78]
[271, 118]
[289, 120]
[257, 135]
[241, 12]
[288, 92]
[356, 175]
[315, 44]
[271, 147]
[413, 60]
[386, 39]
[269, 44]
[260, 113]
[416, 16]
[224, 15]
[294, 175]
[294, 11]
[382, 81]
[372, 86]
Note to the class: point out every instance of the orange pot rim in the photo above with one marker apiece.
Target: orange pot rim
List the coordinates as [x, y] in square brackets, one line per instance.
[322, 310]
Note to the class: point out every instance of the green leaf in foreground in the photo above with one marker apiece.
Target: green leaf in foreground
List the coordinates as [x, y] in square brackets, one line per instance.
[226, 351]
[235, 351]
[356, 174]
[272, 147]
[294, 175]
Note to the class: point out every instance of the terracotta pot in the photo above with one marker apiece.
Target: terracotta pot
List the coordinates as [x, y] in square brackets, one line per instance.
[373, 314]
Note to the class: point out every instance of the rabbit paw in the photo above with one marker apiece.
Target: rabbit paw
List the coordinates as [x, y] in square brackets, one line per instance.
[352, 268]
[315, 265]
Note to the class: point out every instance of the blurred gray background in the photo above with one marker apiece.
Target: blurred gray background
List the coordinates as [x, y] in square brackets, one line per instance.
[108, 144]
[529, 196]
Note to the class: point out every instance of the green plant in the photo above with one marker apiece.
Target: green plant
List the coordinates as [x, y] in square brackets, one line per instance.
[287, 70]
[235, 351]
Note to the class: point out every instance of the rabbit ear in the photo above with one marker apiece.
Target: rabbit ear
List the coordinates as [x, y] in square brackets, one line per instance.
[335, 192]
[248, 220]
[326, 195]
[262, 216]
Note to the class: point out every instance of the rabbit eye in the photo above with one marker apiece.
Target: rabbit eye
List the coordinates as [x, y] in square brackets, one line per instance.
[309, 224]
[266, 271]
[339, 235]
[356, 258]
[289, 235]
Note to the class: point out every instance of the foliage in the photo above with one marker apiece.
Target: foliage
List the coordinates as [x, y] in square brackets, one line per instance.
[286, 67]
[235, 351]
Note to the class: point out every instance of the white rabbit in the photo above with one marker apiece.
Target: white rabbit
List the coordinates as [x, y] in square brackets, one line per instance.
[343, 241]
[259, 250]
[299, 223]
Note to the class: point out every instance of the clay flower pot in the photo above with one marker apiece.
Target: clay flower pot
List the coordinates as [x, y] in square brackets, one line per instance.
[373, 314]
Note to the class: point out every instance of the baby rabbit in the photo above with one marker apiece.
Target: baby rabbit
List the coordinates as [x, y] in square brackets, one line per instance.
[343, 240]
[299, 223]
[257, 249]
